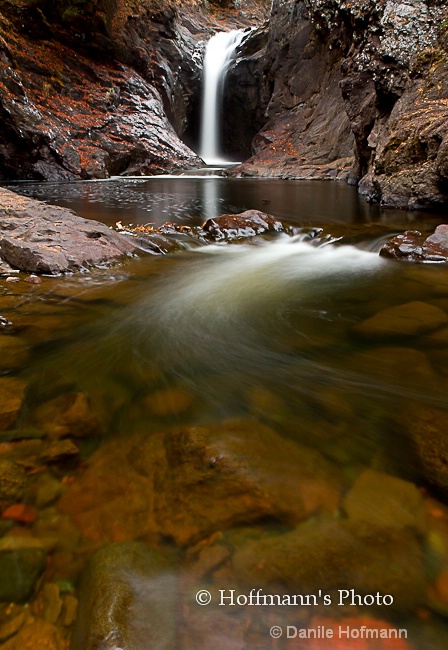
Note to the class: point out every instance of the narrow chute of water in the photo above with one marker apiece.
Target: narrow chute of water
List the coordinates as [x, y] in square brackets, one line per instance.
[219, 53]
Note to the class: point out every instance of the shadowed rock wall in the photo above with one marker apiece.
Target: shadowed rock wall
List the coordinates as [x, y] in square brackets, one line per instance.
[360, 77]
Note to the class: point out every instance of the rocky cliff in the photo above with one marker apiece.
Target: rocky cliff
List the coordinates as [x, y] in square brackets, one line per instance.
[90, 89]
[358, 90]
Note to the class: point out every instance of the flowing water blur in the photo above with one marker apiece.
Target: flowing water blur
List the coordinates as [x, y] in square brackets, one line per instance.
[265, 332]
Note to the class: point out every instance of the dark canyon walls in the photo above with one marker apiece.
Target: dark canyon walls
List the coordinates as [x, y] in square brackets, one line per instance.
[353, 90]
[359, 91]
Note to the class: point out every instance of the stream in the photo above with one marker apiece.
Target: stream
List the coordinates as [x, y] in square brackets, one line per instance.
[258, 413]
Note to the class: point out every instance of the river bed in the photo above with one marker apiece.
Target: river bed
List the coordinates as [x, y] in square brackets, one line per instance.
[267, 415]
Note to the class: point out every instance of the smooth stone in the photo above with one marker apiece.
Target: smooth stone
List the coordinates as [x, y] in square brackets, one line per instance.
[127, 599]
[386, 501]
[409, 319]
[19, 572]
[47, 490]
[171, 401]
[37, 634]
[59, 452]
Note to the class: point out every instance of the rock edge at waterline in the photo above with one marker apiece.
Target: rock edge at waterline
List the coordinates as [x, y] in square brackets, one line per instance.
[41, 238]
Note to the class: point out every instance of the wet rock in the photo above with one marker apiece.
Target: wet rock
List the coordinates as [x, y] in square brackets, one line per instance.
[246, 224]
[405, 366]
[236, 473]
[19, 572]
[331, 555]
[190, 483]
[69, 414]
[384, 501]
[12, 392]
[13, 483]
[40, 238]
[409, 319]
[13, 352]
[427, 431]
[128, 599]
[412, 246]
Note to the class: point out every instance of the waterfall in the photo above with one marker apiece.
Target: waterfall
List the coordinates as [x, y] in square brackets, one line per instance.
[219, 53]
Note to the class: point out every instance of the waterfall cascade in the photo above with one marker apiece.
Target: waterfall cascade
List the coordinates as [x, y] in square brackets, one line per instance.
[219, 53]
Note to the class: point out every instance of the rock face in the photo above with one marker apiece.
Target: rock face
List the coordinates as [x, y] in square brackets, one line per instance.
[40, 238]
[367, 73]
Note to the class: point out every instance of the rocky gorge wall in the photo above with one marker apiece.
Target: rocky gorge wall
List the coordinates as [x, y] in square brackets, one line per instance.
[90, 89]
[358, 91]
[352, 90]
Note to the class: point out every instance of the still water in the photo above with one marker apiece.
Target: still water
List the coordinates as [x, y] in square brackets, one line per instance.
[268, 417]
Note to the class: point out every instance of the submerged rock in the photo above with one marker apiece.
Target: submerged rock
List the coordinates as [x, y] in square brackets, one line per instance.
[128, 599]
[246, 224]
[385, 501]
[330, 555]
[409, 319]
[187, 484]
[41, 238]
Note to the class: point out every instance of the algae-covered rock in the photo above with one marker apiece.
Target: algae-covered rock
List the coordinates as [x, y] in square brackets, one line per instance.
[385, 501]
[128, 599]
[331, 555]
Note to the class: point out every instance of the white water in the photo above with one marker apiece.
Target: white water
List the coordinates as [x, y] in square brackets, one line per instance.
[219, 53]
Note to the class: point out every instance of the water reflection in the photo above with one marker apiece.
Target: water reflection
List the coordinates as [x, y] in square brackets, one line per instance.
[190, 198]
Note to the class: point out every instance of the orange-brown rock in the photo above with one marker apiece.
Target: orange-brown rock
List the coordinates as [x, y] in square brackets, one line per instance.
[187, 484]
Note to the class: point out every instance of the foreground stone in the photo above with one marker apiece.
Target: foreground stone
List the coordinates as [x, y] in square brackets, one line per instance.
[246, 224]
[427, 430]
[332, 555]
[19, 571]
[188, 484]
[128, 599]
[40, 238]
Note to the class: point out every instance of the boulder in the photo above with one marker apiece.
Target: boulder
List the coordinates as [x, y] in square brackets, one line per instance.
[40, 238]
[246, 224]
[128, 599]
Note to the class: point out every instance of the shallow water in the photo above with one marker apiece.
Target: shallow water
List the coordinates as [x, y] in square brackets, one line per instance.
[230, 408]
